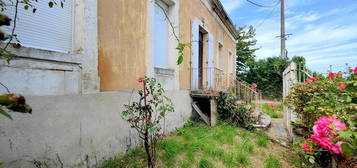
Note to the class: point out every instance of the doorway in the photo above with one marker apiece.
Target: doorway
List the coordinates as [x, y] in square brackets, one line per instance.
[200, 60]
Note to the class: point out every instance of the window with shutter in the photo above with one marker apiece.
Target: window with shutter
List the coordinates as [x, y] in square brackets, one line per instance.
[161, 35]
[47, 29]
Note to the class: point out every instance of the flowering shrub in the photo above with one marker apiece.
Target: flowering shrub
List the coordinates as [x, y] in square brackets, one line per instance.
[327, 108]
[146, 115]
[333, 95]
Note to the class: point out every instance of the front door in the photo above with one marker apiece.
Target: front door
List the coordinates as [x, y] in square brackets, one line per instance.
[200, 61]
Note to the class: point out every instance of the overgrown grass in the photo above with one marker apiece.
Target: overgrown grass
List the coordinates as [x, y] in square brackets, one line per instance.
[272, 162]
[261, 139]
[133, 159]
[201, 146]
[275, 112]
[205, 163]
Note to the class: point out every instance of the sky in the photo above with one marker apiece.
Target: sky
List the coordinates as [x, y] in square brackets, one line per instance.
[323, 31]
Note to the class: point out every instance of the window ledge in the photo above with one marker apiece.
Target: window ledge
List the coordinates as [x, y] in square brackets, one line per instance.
[164, 71]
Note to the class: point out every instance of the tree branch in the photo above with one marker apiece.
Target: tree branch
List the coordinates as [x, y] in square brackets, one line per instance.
[14, 27]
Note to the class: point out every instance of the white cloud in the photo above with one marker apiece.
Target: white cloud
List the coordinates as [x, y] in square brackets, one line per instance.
[323, 38]
[231, 5]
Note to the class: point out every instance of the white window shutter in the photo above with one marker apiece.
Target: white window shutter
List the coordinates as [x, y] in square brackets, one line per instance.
[47, 29]
[161, 36]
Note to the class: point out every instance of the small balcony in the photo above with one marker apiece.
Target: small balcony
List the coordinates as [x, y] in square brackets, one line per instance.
[208, 81]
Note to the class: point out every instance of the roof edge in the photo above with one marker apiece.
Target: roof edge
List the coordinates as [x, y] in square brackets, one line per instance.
[222, 14]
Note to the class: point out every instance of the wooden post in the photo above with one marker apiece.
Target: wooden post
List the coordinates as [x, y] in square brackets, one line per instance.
[213, 111]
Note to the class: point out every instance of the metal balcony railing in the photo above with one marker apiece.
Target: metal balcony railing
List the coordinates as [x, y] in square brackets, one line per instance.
[207, 79]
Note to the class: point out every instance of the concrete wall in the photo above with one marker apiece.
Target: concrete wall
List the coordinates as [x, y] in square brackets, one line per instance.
[75, 130]
[41, 72]
[198, 10]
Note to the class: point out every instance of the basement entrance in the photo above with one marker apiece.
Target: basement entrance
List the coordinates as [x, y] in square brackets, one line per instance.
[205, 108]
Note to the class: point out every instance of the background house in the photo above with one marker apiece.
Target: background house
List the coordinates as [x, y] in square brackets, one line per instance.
[78, 67]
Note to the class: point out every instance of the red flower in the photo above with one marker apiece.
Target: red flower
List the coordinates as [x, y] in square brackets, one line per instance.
[140, 80]
[325, 129]
[331, 75]
[254, 85]
[306, 146]
[309, 80]
[271, 105]
[355, 70]
[341, 87]
[149, 120]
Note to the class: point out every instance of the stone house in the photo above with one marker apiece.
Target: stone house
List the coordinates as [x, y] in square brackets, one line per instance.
[78, 66]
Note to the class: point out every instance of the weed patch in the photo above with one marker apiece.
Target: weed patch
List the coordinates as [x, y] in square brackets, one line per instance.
[272, 162]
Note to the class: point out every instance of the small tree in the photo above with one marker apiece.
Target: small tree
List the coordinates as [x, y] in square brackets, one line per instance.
[146, 115]
[245, 48]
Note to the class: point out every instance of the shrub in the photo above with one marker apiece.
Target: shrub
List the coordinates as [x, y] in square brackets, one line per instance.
[145, 115]
[233, 113]
[324, 96]
[327, 110]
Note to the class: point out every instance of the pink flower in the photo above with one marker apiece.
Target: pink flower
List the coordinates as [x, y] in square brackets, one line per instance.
[328, 126]
[325, 129]
[341, 86]
[324, 142]
[321, 130]
[140, 80]
[272, 105]
[307, 147]
[355, 70]
[309, 80]
[254, 85]
[331, 75]
[336, 148]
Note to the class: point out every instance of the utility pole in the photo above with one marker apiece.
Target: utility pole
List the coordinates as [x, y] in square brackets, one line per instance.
[282, 30]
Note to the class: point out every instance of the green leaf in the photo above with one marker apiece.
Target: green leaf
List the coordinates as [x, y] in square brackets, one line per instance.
[347, 150]
[179, 60]
[3, 112]
[50, 4]
[26, 7]
[312, 159]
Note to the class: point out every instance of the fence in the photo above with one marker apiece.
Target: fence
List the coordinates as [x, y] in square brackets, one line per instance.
[292, 75]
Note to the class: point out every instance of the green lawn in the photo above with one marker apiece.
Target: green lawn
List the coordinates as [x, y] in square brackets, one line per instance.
[275, 112]
[200, 146]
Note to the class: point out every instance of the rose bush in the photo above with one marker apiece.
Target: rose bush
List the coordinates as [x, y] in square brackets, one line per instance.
[327, 110]
[333, 95]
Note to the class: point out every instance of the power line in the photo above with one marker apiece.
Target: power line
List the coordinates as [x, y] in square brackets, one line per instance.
[268, 16]
[263, 6]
